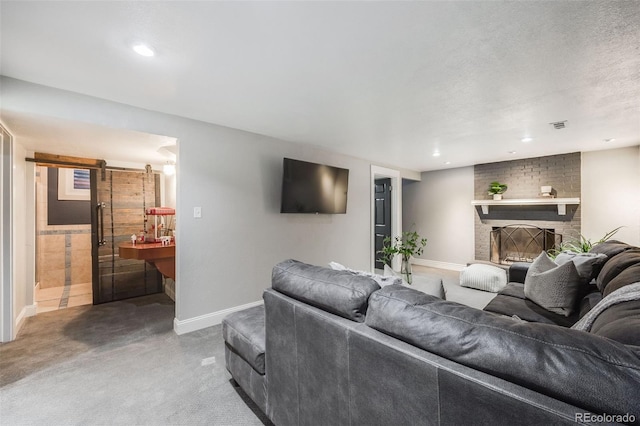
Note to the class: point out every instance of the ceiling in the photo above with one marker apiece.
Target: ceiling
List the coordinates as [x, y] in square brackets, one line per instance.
[121, 148]
[391, 82]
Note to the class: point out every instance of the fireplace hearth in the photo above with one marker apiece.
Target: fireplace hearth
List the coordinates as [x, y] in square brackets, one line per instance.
[521, 243]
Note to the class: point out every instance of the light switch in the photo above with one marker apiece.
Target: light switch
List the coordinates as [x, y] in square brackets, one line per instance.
[197, 212]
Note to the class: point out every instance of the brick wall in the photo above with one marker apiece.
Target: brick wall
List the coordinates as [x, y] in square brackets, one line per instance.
[524, 178]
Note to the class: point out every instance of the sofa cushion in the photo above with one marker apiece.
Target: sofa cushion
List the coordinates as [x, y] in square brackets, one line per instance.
[340, 292]
[587, 264]
[620, 322]
[559, 362]
[629, 276]
[610, 248]
[244, 334]
[483, 277]
[589, 301]
[555, 288]
[615, 266]
[512, 301]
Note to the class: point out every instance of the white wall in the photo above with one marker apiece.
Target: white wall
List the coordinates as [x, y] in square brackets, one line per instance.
[20, 285]
[224, 259]
[6, 233]
[611, 194]
[440, 207]
[169, 190]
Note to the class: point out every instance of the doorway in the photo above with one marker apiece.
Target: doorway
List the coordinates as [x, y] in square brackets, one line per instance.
[381, 217]
[63, 238]
[395, 211]
[80, 221]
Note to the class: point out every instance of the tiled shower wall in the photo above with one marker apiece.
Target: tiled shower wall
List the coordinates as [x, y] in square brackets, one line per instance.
[524, 179]
[63, 252]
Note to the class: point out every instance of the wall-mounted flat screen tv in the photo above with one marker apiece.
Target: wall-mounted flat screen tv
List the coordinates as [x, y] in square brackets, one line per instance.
[313, 188]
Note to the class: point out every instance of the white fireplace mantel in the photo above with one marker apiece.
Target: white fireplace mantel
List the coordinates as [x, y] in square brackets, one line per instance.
[561, 203]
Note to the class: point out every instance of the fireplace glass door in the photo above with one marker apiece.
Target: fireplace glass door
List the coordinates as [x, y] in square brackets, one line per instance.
[521, 243]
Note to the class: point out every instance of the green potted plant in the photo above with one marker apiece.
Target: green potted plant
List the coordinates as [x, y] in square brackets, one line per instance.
[581, 245]
[407, 245]
[497, 189]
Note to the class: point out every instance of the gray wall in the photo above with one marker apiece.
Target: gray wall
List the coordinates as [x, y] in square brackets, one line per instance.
[225, 258]
[440, 207]
[524, 178]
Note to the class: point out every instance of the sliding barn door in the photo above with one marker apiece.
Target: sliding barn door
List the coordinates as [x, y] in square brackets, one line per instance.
[119, 202]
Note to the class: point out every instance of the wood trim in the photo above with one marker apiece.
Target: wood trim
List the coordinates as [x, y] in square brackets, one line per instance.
[101, 164]
[67, 161]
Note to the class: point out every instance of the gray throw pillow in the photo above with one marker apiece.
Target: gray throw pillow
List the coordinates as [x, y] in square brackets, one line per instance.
[555, 288]
[587, 264]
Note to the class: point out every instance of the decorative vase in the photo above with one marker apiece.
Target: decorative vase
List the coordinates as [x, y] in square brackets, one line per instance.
[405, 269]
[497, 197]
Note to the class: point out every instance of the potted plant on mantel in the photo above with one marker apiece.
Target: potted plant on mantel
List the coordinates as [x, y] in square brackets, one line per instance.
[497, 189]
[409, 244]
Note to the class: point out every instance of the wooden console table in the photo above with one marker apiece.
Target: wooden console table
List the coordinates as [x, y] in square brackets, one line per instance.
[162, 257]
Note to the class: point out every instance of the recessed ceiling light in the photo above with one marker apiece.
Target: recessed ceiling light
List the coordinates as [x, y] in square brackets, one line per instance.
[609, 140]
[526, 140]
[143, 49]
[447, 162]
[512, 152]
[436, 153]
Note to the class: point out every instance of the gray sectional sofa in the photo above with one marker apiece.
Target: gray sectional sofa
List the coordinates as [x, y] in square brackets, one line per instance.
[330, 347]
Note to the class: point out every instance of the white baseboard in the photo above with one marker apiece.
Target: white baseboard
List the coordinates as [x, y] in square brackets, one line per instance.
[207, 320]
[27, 311]
[438, 264]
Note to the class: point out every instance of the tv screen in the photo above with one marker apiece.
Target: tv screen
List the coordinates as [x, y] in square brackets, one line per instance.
[313, 188]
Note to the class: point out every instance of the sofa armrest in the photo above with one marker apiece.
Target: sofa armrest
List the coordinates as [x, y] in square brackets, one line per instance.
[518, 272]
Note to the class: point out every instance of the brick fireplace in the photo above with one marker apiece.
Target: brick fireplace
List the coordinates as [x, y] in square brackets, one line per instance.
[524, 179]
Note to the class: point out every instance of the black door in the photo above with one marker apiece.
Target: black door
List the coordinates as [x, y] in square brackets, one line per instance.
[119, 202]
[382, 216]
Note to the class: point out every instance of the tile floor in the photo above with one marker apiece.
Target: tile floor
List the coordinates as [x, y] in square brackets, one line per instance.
[53, 298]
